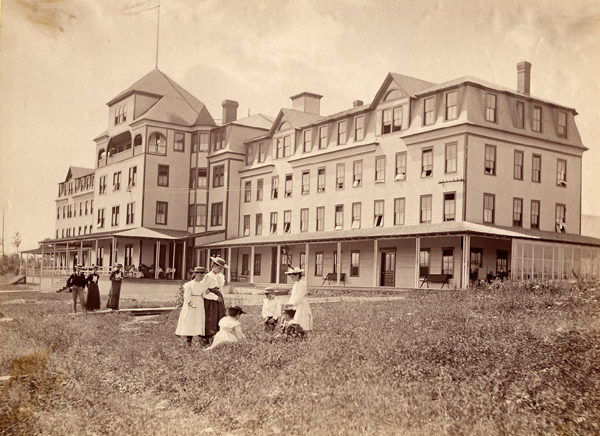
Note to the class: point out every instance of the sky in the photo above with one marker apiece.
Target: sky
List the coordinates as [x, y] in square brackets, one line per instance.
[61, 61]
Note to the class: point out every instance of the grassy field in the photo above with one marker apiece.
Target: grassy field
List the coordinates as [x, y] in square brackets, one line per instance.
[506, 359]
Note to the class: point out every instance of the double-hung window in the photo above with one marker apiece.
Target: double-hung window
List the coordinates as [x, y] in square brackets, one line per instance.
[288, 186]
[518, 212]
[449, 206]
[274, 187]
[247, 192]
[304, 220]
[356, 215]
[535, 214]
[427, 163]
[357, 173]
[561, 128]
[287, 221]
[399, 204]
[359, 128]
[425, 213]
[218, 176]
[490, 107]
[378, 213]
[341, 132]
[380, 169]
[321, 180]
[561, 172]
[323, 137]
[400, 166]
[536, 168]
[273, 226]
[340, 176]
[489, 206]
[451, 105]
[339, 217]
[320, 218]
[259, 189]
[305, 182]
[518, 165]
[490, 160]
[429, 111]
[306, 140]
[450, 158]
[536, 123]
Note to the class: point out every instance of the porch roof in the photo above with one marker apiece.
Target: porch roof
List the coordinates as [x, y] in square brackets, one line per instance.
[148, 233]
[437, 229]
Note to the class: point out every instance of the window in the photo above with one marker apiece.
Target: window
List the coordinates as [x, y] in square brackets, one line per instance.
[279, 148]
[378, 213]
[246, 225]
[490, 107]
[359, 128]
[425, 212]
[203, 141]
[287, 221]
[100, 218]
[245, 263]
[306, 140]
[218, 176]
[303, 260]
[117, 181]
[304, 220]
[200, 215]
[535, 214]
[429, 111]
[320, 218]
[216, 214]
[450, 161]
[81, 208]
[397, 114]
[399, 204]
[386, 121]
[560, 214]
[448, 261]
[157, 143]
[218, 140]
[162, 208]
[79, 233]
[356, 215]
[249, 155]
[561, 172]
[424, 262]
[318, 264]
[380, 169]
[518, 212]
[132, 179]
[179, 142]
[354, 263]
[518, 167]
[288, 186]
[520, 115]
[537, 119]
[163, 175]
[193, 177]
[357, 173]
[259, 189]
[287, 145]
[339, 217]
[305, 182]
[58, 213]
[490, 160]
[451, 106]
[341, 132]
[273, 228]
[202, 178]
[400, 173]
[257, 263]
[321, 180]
[247, 192]
[427, 163]
[191, 215]
[274, 187]
[323, 137]
[91, 206]
[195, 142]
[258, 224]
[114, 220]
[536, 168]
[489, 201]
[261, 152]
[130, 213]
[449, 206]
[340, 176]
[561, 128]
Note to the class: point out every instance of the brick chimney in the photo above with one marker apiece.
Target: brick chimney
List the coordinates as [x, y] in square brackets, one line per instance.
[523, 77]
[307, 102]
[357, 103]
[229, 111]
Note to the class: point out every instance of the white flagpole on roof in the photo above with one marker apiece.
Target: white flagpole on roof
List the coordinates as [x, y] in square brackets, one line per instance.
[134, 7]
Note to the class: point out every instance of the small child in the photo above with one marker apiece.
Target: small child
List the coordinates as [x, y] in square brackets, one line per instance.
[230, 329]
[271, 310]
[289, 327]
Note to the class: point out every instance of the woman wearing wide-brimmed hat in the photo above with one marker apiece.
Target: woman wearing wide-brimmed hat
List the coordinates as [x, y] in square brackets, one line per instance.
[116, 277]
[192, 318]
[214, 310]
[93, 295]
[297, 301]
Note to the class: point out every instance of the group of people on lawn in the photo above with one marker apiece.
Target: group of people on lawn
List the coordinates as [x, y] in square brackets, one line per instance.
[85, 288]
[203, 310]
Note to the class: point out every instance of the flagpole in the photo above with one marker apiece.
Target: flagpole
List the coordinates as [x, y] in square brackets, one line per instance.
[157, 30]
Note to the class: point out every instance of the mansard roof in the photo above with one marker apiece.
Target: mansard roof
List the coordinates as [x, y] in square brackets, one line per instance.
[77, 172]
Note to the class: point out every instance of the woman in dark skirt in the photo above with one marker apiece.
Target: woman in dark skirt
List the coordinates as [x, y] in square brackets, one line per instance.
[116, 277]
[93, 298]
[214, 310]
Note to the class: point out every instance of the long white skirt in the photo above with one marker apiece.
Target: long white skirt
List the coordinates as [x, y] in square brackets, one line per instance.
[191, 319]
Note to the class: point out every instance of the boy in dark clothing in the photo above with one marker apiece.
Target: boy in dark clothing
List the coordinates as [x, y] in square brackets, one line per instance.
[77, 283]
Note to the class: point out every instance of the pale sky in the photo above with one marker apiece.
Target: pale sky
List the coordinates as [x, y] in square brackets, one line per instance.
[61, 61]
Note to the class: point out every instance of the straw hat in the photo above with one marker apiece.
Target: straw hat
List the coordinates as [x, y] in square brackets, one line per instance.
[219, 261]
[294, 271]
[200, 269]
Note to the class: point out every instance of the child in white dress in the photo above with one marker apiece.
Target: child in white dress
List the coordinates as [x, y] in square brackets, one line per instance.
[271, 310]
[230, 328]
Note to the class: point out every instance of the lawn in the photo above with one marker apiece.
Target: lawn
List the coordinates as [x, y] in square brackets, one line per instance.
[506, 359]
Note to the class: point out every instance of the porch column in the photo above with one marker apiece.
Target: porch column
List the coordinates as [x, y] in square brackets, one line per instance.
[306, 263]
[183, 264]
[173, 259]
[252, 264]
[140, 262]
[54, 263]
[465, 270]
[229, 259]
[338, 267]
[375, 253]
[157, 259]
[96, 253]
[208, 259]
[67, 259]
[417, 251]
[278, 266]
[80, 255]
[42, 267]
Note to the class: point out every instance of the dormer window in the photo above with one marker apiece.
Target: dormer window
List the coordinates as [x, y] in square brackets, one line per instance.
[429, 111]
[391, 120]
[490, 107]
[537, 119]
[120, 114]
[341, 132]
[451, 106]
[323, 137]
[249, 155]
[306, 140]
[561, 129]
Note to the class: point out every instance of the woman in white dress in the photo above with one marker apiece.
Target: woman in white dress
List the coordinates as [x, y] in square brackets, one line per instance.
[191, 318]
[297, 301]
[230, 328]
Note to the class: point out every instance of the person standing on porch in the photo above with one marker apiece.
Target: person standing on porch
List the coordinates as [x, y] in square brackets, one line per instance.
[93, 294]
[297, 301]
[214, 310]
[116, 277]
[191, 318]
[77, 284]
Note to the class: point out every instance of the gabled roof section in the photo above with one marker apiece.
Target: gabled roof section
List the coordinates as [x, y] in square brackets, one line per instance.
[77, 172]
[174, 105]
[258, 121]
[297, 119]
[410, 86]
